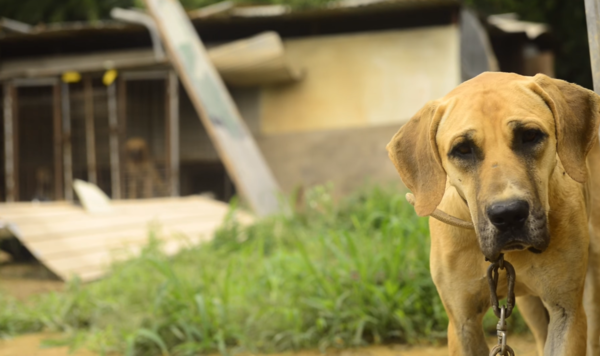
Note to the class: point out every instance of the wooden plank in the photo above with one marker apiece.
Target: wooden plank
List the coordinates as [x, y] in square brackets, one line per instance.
[90, 132]
[93, 241]
[173, 134]
[9, 158]
[73, 243]
[232, 139]
[57, 138]
[592, 13]
[107, 225]
[258, 60]
[113, 123]
[66, 136]
[103, 254]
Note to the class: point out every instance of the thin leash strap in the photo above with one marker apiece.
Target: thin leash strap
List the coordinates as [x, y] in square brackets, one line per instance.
[444, 217]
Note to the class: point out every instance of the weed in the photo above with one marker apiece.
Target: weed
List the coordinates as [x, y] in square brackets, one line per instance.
[334, 275]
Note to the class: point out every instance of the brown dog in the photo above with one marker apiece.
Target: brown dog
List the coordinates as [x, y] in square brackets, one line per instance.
[141, 170]
[519, 157]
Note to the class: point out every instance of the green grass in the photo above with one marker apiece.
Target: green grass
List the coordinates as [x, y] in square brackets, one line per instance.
[333, 275]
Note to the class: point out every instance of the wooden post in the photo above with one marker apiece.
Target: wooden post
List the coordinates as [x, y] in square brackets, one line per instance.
[66, 136]
[215, 107]
[58, 143]
[592, 13]
[90, 135]
[9, 158]
[15, 122]
[122, 116]
[113, 124]
[172, 131]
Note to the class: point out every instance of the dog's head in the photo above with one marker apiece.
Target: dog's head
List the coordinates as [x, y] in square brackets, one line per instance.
[496, 139]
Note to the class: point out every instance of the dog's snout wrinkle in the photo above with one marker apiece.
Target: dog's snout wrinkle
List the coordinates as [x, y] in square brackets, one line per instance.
[508, 214]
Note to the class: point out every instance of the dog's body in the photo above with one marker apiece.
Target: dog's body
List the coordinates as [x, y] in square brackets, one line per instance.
[141, 171]
[518, 156]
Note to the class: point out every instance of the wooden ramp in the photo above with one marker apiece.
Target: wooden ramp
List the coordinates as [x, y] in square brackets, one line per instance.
[71, 242]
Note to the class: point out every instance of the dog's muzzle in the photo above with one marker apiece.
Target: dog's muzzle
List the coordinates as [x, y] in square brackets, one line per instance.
[513, 228]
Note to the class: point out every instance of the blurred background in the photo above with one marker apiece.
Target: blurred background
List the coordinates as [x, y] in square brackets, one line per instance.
[90, 95]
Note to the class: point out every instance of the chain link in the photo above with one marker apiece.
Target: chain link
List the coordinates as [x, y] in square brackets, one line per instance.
[505, 311]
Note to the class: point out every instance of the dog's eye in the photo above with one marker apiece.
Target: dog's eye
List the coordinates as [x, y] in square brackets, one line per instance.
[462, 150]
[531, 136]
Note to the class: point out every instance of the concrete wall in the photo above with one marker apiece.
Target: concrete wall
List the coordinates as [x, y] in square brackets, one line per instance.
[359, 89]
[348, 158]
[364, 79]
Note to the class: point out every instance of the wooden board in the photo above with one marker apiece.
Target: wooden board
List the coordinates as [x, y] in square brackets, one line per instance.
[258, 60]
[232, 139]
[592, 13]
[71, 242]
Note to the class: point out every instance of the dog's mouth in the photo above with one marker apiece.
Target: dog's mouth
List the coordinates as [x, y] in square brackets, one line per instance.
[514, 246]
[519, 246]
[533, 237]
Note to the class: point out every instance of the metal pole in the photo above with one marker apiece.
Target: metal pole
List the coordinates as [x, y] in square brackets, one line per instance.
[66, 135]
[173, 133]
[113, 123]
[592, 13]
[9, 159]
[90, 135]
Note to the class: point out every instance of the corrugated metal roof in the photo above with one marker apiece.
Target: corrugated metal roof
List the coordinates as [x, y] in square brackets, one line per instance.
[232, 12]
[510, 23]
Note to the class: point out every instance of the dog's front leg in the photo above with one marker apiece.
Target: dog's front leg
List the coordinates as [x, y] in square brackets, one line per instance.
[465, 337]
[535, 314]
[465, 301]
[465, 330]
[566, 332]
[559, 278]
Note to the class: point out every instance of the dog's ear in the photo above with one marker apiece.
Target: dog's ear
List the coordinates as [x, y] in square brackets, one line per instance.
[576, 112]
[413, 151]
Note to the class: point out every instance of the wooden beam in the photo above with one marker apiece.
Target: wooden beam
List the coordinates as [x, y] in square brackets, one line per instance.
[228, 132]
[258, 60]
[58, 143]
[9, 157]
[592, 13]
[145, 75]
[90, 134]
[34, 82]
[16, 129]
[89, 62]
[66, 136]
[172, 139]
[113, 124]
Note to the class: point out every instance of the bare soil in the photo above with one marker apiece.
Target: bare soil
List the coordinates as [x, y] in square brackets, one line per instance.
[30, 345]
[25, 279]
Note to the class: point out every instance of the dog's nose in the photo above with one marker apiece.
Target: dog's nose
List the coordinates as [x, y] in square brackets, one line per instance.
[509, 214]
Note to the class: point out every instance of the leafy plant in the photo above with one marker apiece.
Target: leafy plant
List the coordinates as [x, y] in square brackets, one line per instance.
[334, 275]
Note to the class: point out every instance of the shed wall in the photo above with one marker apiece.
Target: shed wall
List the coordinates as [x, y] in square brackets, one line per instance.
[364, 79]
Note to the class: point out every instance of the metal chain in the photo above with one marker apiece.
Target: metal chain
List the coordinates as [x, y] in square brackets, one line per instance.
[505, 311]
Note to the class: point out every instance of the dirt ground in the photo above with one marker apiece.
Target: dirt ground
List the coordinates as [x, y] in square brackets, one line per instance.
[23, 280]
[29, 345]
